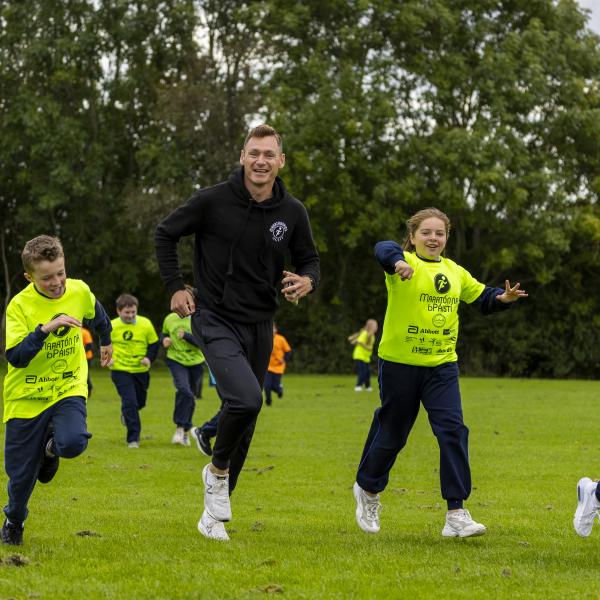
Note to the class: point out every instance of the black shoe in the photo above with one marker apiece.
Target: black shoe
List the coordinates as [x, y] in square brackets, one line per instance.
[11, 534]
[280, 393]
[202, 441]
[49, 464]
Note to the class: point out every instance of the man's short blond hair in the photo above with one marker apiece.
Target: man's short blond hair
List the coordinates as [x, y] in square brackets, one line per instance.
[40, 248]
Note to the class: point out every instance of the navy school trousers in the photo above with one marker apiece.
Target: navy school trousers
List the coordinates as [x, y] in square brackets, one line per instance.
[402, 389]
[24, 448]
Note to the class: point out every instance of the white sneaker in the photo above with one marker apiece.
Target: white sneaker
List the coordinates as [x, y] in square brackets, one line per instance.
[358, 388]
[216, 495]
[186, 439]
[211, 528]
[367, 510]
[178, 436]
[133, 445]
[587, 506]
[369, 389]
[460, 524]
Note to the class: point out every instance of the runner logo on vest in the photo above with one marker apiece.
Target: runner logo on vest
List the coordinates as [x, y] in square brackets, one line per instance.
[61, 331]
[441, 283]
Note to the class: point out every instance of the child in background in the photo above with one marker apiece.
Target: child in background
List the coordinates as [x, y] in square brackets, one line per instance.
[363, 342]
[185, 361]
[88, 346]
[135, 348]
[280, 355]
[45, 387]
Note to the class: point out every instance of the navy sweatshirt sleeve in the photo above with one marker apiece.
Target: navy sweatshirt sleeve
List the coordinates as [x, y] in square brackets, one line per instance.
[21, 355]
[100, 324]
[152, 351]
[190, 339]
[487, 303]
[388, 253]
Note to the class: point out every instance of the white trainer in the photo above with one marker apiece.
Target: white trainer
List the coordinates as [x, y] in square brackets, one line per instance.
[367, 510]
[186, 439]
[358, 388]
[216, 495]
[211, 528]
[459, 523]
[587, 507]
[178, 436]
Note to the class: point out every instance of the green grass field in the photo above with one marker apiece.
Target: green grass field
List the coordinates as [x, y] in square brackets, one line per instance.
[121, 523]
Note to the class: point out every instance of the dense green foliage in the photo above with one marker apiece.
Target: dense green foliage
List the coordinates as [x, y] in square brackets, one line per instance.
[112, 113]
[121, 523]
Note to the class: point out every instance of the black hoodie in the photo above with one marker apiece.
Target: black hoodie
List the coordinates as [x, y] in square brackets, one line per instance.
[240, 247]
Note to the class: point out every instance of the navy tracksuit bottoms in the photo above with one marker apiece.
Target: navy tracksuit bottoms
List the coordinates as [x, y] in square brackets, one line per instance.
[402, 389]
[187, 381]
[24, 448]
[238, 355]
[133, 389]
[272, 384]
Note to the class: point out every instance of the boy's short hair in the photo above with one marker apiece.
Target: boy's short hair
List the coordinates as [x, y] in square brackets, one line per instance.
[126, 300]
[40, 248]
[264, 130]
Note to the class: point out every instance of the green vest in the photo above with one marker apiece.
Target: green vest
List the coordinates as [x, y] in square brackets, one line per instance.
[130, 344]
[59, 369]
[361, 353]
[180, 351]
[421, 319]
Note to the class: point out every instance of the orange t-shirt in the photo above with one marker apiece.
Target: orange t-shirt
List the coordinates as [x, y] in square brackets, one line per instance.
[280, 347]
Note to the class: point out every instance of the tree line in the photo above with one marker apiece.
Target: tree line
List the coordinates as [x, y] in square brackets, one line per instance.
[113, 112]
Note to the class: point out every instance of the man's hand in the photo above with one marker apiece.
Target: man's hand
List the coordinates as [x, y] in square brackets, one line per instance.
[60, 321]
[167, 342]
[295, 286]
[106, 353]
[180, 334]
[511, 294]
[145, 361]
[403, 269]
[182, 303]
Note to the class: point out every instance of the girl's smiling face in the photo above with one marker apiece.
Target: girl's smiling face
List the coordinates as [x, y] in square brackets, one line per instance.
[430, 238]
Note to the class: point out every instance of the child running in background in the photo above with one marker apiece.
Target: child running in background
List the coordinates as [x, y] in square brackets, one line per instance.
[46, 384]
[418, 364]
[280, 355]
[185, 361]
[135, 348]
[88, 345]
[363, 342]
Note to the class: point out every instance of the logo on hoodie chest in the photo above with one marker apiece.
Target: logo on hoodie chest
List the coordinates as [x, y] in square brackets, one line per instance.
[278, 230]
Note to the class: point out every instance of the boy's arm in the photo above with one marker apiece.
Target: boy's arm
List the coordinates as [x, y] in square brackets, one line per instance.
[100, 324]
[190, 339]
[151, 353]
[24, 352]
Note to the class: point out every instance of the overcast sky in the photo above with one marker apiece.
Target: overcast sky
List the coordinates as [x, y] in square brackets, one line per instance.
[594, 5]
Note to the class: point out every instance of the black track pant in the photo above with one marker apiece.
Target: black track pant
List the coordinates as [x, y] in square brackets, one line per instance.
[238, 356]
